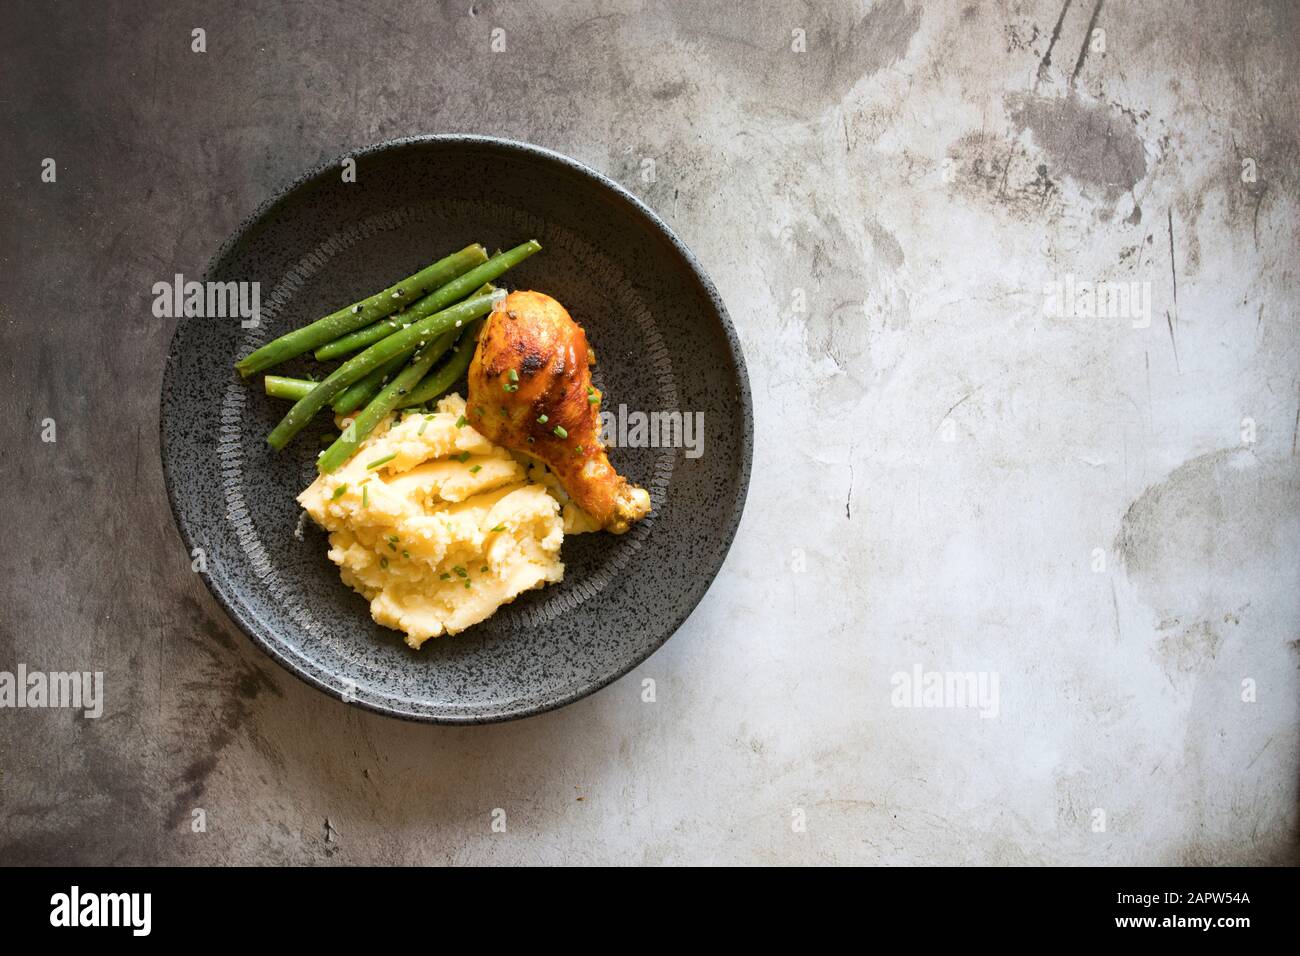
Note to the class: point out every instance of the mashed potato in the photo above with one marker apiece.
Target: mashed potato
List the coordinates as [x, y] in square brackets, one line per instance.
[446, 528]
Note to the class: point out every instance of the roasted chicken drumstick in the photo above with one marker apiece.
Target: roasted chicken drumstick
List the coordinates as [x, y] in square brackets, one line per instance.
[530, 390]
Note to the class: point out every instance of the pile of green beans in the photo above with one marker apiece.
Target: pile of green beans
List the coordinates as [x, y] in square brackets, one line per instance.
[368, 310]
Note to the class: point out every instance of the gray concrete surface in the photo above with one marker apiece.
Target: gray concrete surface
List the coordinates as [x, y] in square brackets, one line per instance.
[1100, 513]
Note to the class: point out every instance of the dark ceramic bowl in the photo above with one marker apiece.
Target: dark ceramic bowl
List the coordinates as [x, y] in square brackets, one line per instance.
[663, 341]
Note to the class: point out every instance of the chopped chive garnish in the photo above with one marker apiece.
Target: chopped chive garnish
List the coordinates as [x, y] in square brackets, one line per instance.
[391, 546]
[510, 388]
[462, 422]
[473, 469]
[460, 571]
[392, 537]
[560, 432]
[541, 419]
[513, 376]
[462, 457]
[423, 425]
[578, 449]
[444, 577]
[405, 553]
[381, 461]
[483, 570]
[365, 497]
[467, 585]
[339, 492]
[500, 527]
[383, 562]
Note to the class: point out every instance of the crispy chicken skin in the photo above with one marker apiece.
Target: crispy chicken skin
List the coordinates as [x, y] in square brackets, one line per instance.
[530, 390]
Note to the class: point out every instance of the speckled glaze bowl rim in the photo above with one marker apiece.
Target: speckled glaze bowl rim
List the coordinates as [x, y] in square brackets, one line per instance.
[231, 603]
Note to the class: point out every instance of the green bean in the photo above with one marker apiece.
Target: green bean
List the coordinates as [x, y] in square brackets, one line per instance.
[363, 313]
[359, 366]
[363, 390]
[356, 341]
[438, 299]
[278, 386]
[362, 338]
[383, 403]
[448, 373]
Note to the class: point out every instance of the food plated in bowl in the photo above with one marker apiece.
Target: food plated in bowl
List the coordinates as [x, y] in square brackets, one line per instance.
[431, 522]
[667, 353]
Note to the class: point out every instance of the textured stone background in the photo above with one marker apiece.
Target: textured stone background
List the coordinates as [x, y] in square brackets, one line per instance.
[938, 455]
